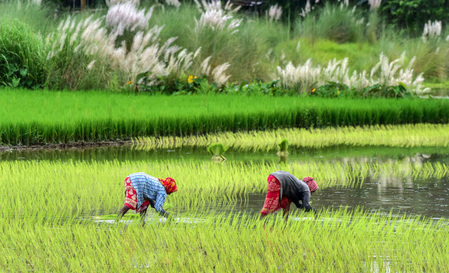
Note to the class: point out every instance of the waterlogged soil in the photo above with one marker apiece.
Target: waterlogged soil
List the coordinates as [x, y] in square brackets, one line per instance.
[427, 197]
[63, 146]
[132, 153]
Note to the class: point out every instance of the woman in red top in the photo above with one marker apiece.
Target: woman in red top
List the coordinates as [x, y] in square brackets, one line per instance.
[284, 189]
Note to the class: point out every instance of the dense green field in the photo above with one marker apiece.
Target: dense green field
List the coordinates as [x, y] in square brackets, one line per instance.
[41, 189]
[46, 223]
[30, 117]
[338, 242]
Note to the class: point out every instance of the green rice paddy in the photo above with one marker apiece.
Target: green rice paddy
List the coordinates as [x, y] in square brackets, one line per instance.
[412, 135]
[30, 117]
[58, 215]
[54, 217]
[41, 189]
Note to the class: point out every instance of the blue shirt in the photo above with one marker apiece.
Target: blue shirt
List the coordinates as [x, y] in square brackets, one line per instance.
[148, 187]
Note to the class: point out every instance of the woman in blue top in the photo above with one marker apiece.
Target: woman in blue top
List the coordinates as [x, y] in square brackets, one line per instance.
[142, 190]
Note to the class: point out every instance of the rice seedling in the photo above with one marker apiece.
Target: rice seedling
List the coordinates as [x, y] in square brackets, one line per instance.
[43, 189]
[335, 241]
[217, 150]
[283, 151]
[283, 146]
[418, 135]
[48, 117]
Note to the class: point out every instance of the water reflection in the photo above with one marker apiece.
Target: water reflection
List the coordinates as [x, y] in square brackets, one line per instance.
[339, 153]
[402, 196]
[395, 189]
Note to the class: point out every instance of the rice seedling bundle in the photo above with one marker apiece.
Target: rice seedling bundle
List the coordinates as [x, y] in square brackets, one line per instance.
[410, 135]
[47, 117]
[337, 241]
[39, 190]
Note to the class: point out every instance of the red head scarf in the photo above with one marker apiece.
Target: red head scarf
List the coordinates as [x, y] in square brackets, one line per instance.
[169, 184]
[311, 183]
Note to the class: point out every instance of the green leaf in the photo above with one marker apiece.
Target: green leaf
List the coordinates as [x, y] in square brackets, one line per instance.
[15, 82]
[23, 72]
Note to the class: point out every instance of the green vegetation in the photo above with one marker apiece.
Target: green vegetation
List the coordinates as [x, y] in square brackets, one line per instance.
[80, 51]
[341, 241]
[75, 189]
[22, 62]
[217, 150]
[42, 117]
[283, 145]
[48, 205]
[418, 135]
[58, 215]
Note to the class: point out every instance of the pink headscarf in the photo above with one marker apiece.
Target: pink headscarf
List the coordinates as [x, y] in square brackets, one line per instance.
[311, 183]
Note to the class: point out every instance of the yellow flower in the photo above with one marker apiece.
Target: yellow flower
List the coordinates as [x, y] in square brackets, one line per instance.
[339, 92]
[190, 79]
[313, 90]
[130, 82]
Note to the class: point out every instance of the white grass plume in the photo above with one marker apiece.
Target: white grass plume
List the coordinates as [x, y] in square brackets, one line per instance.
[275, 12]
[431, 30]
[125, 16]
[305, 76]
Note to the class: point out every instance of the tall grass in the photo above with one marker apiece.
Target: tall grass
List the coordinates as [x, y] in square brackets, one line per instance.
[46, 117]
[22, 63]
[251, 49]
[41, 18]
[336, 22]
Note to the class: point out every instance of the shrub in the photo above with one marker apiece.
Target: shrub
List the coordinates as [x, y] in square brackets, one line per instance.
[21, 56]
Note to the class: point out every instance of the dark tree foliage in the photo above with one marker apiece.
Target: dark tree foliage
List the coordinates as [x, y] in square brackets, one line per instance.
[408, 14]
[413, 14]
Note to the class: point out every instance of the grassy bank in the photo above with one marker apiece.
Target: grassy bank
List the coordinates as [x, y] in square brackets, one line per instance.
[30, 117]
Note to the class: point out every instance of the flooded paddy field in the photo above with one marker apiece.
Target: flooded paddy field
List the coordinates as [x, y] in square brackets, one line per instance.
[402, 192]
[378, 209]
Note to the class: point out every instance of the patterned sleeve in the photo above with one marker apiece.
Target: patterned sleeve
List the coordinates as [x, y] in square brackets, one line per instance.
[160, 199]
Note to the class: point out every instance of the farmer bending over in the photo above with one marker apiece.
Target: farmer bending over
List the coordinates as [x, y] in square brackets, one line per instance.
[142, 190]
[283, 189]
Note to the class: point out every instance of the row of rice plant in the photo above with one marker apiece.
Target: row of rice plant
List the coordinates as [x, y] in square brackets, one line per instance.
[337, 242]
[410, 135]
[47, 117]
[39, 190]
